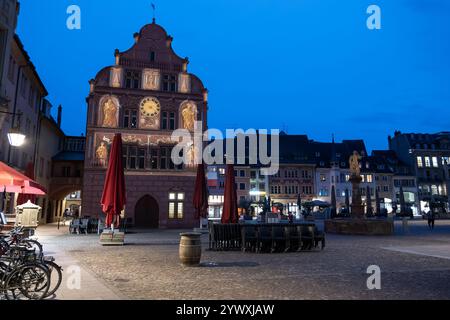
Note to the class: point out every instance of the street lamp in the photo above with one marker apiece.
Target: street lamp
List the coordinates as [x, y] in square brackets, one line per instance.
[15, 137]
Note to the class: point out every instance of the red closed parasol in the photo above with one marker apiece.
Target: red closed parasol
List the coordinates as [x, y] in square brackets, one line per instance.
[201, 193]
[230, 209]
[114, 193]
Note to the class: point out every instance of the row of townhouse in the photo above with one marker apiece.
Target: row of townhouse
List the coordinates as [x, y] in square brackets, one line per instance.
[313, 170]
[23, 106]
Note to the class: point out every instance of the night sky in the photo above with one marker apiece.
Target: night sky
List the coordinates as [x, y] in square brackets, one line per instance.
[303, 66]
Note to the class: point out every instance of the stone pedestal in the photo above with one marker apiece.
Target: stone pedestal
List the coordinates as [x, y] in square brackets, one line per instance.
[110, 238]
[357, 207]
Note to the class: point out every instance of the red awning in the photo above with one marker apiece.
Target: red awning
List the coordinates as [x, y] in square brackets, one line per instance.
[213, 183]
[13, 181]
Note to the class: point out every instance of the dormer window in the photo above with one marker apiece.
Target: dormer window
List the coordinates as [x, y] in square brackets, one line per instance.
[152, 56]
[132, 79]
[170, 83]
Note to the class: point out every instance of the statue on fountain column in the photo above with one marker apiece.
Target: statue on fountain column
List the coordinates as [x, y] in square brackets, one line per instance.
[355, 170]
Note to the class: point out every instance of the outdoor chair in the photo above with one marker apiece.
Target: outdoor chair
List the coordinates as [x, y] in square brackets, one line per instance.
[212, 240]
[319, 236]
[74, 226]
[293, 238]
[307, 237]
[249, 238]
[83, 227]
[264, 238]
[93, 225]
[220, 237]
[236, 236]
[278, 239]
[100, 225]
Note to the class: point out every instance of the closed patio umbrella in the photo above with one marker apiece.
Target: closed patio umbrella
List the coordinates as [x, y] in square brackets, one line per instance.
[230, 209]
[24, 197]
[299, 202]
[347, 200]
[402, 202]
[369, 208]
[114, 193]
[333, 202]
[200, 201]
[378, 202]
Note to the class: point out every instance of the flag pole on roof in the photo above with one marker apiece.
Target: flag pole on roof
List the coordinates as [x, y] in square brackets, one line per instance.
[154, 9]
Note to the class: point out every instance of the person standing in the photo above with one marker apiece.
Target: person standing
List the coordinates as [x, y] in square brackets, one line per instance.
[431, 218]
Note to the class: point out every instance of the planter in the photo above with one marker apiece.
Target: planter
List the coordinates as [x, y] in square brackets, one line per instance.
[190, 249]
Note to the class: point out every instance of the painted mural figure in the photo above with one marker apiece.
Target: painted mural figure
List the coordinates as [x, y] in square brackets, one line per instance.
[188, 115]
[191, 156]
[109, 113]
[102, 154]
[184, 83]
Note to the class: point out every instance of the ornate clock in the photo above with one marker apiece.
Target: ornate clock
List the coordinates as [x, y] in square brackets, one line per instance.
[149, 113]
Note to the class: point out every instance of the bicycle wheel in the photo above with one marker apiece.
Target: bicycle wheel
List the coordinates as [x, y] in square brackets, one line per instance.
[33, 244]
[29, 282]
[55, 277]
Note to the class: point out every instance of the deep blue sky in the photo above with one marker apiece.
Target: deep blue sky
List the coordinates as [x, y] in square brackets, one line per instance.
[308, 66]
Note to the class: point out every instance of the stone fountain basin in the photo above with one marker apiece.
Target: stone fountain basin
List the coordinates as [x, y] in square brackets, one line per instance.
[360, 227]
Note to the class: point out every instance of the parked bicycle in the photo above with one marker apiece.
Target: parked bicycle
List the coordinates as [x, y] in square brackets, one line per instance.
[19, 236]
[25, 273]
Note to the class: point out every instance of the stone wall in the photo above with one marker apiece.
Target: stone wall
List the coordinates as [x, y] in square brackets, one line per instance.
[137, 186]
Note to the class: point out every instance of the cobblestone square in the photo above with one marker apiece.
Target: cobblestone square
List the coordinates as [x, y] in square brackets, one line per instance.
[414, 265]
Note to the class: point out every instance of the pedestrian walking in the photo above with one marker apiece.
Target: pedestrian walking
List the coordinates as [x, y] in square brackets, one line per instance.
[431, 218]
[65, 216]
[405, 224]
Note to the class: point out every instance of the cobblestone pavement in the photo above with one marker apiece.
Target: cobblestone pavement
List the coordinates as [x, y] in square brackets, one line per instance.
[414, 265]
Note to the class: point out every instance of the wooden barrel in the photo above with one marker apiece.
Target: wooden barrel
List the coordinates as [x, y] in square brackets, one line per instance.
[190, 249]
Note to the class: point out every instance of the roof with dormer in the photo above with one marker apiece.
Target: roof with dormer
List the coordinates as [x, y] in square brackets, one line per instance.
[153, 50]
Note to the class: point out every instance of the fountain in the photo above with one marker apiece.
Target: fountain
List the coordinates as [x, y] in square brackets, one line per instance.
[358, 224]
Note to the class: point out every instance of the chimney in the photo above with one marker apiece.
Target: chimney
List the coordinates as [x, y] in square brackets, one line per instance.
[136, 37]
[185, 64]
[169, 40]
[117, 56]
[59, 115]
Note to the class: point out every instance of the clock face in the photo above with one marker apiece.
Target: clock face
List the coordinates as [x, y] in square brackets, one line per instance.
[150, 108]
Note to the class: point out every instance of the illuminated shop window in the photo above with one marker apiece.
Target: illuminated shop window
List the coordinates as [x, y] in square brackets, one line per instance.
[419, 162]
[435, 162]
[176, 205]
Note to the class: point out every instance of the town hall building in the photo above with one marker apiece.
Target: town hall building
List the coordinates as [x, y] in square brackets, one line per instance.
[146, 95]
